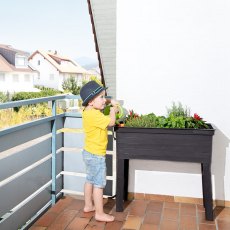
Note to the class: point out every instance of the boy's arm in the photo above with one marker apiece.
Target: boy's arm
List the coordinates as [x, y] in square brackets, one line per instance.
[112, 114]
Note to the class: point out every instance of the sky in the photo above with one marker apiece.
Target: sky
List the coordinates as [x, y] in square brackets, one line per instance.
[61, 25]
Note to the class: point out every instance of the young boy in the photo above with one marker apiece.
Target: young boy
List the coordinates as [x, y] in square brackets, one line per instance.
[95, 125]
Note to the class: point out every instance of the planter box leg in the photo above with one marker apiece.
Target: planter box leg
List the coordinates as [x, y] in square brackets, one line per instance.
[120, 185]
[207, 191]
[126, 178]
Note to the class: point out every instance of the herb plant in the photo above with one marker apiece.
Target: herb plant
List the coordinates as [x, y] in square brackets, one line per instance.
[177, 117]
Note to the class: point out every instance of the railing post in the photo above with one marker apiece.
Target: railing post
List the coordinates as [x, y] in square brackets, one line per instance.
[53, 192]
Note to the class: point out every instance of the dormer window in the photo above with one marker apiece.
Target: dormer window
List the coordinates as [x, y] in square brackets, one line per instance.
[20, 61]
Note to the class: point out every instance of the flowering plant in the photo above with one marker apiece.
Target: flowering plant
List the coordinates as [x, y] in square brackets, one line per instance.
[177, 117]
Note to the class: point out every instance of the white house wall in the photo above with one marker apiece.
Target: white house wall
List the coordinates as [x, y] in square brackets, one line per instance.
[45, 70]
[177, 51]
[11, 85]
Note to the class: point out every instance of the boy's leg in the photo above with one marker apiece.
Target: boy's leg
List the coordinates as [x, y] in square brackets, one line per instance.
[98, 202]
[88, 193]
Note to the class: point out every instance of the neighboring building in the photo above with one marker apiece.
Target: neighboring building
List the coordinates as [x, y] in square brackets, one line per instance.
[15, 73]
[95, 72]
[54, 69]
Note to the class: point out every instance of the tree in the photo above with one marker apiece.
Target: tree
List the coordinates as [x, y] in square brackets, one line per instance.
[71, 85]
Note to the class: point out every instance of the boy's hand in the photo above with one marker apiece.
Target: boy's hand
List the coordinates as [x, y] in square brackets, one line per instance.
[115, 109]
[114, 103]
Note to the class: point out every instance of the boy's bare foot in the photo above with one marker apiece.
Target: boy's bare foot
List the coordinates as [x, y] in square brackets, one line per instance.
[89, 209]
[104, 217]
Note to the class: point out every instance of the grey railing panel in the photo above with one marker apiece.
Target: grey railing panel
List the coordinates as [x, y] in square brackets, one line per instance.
[59, 184]
[15, 162]
[59, 141]
[74, 183]
[23, 186]
[73, 162]
[109, 165]
[23, 135]
[59, 162]
[60, 120]
[22, 215]
[26, 132]
[73, 140]
[73, 122]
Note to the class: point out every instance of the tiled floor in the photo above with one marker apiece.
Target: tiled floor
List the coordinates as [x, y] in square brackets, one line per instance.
[138, 214]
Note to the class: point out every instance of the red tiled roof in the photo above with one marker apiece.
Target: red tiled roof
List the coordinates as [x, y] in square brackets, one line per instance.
[56, 59]
[5, 66]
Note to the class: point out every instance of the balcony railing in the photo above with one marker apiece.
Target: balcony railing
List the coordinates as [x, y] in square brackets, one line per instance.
[40, 161]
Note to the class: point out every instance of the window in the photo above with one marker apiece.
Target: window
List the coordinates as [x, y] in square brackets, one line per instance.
[39, 62]
[2, 77]
[15, 78]
[51, 77]
[20, 61]
[27, 78]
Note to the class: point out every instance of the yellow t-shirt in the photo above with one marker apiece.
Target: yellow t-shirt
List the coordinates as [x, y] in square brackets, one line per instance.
[95, 125]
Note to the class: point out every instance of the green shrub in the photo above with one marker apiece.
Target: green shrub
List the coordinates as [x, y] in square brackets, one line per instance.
[45, 92]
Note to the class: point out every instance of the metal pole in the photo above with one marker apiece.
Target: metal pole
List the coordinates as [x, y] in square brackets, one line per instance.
[53, 192]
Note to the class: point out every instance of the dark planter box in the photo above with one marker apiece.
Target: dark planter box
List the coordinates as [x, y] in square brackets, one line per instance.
[182, 145]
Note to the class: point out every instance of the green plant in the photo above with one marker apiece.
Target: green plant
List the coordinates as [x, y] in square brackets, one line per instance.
[45, 92]
[71, 85]
[177, 117]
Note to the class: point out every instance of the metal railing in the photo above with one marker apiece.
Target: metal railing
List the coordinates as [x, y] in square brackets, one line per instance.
[40, 161]
[31, 162]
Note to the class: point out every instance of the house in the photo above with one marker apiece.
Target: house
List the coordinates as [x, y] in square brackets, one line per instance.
[153, 53]
[54, 69]
[15, 73]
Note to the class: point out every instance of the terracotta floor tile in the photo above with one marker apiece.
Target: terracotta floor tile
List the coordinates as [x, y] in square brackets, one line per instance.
[138, 208]
[83, 214]
[149, 227]
[115, 225]
[93, 224]
[63, 220]
[154, 206]
[200, 207]
[171, 205]
[207, 227]
[37, 228]
[109, 205]
[171, 214]
[62, 204]
[188, 223]
[132, 222]
[223, 224]
[169, 225]
[224, 213]
[120, 216]
[137, 211]
[46, 220]
[188, 209]
[68, 214]
[127, 205]
[94, 227]
[76, 205]
[78, 224]
[152, 218]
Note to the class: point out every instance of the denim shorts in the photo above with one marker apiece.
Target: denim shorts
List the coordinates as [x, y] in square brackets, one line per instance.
[95, 169]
